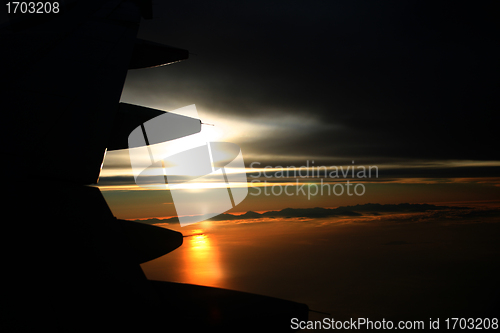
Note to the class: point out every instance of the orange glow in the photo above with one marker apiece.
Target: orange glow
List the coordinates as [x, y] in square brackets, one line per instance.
[201, 261]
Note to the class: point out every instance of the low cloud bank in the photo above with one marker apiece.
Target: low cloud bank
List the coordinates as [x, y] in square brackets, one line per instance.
[344, 211]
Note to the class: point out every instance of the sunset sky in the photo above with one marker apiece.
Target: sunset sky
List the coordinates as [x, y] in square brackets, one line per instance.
[408, 88]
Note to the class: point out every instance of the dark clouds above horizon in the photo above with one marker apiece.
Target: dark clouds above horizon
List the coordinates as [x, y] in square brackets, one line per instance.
[399, 213]
[412, 80]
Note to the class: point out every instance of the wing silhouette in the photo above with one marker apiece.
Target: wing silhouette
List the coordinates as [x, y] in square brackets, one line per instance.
[70, 264]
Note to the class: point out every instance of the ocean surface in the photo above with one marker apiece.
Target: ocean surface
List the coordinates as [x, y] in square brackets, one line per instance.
[396, 266]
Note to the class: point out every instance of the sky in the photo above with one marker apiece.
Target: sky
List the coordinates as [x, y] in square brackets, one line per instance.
[345, 80]
[406, 90]
[406, 87]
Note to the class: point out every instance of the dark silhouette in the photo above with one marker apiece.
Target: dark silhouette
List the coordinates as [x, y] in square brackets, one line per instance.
[70, 264]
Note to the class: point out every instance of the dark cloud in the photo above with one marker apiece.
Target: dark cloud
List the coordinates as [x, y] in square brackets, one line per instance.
[398, 208]
[285, 213]
[384, 174]
[447, 216]
[413, 79]
[483, 213]
[171, 220]
[355, 211]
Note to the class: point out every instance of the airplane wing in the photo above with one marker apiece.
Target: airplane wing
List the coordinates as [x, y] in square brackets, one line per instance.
[62, 80]
[70, 264]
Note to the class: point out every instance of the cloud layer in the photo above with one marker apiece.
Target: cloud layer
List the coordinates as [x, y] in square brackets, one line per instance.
[404, 212]
[377, 80]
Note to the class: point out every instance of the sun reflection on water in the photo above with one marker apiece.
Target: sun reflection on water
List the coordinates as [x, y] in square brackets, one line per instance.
[201, 260]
